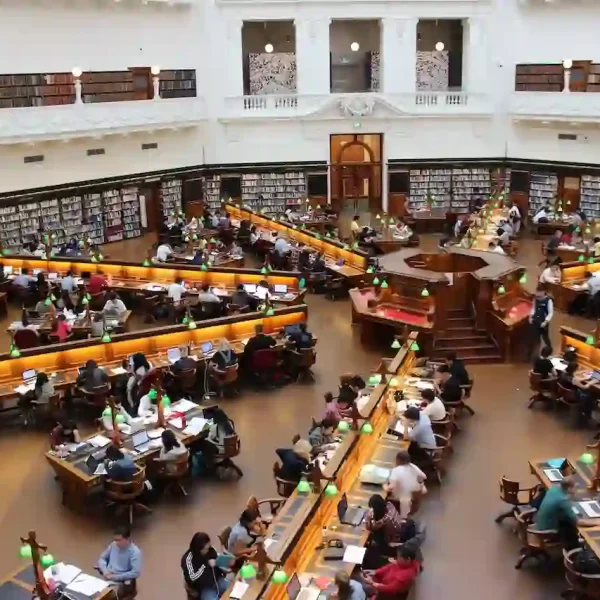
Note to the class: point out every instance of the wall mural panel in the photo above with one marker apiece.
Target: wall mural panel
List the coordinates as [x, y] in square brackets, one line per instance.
[432, 71]
[273, 73]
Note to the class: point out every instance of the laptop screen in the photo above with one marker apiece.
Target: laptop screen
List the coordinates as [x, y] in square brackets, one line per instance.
[280, 288]
[52, 276]
[262, 292]
[596, 375]
[91, 462]
[250, 288]
[36, 272]
[207, 347]
[173, 354]
[8, 270]
[29, 374]
[139, 438]
[293, 587]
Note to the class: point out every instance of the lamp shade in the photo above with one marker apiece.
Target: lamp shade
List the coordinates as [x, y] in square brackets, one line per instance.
[501, 290]
[303, 486]
[106, 412]
[302, 283]
[185, 320]
[192, 324]
[581, 257]
[589, 340]
[248, 571]
[370, 270]
[328, 234]
[374, 379]
[264, 270]
[120, 419]
[331, 490]
[425, 293]
[376, 281]
[47, 560]
[94, 259]
[166, 401]
[47, 302]
[14, 351]
[152, 394]
[25, 551]
[523, 278]
[279, 576]
[415, 347]
[203, 267]
[396, 344]
[367, 428]
[394, 381]
[270, 311]
[106, 337]
[586, 458]
[384, 284]
[591, 260]
[343, 426]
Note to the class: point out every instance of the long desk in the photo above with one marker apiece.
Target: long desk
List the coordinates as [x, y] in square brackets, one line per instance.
[65, 359]
[355, 261]
[80, 326]
[572, 282]
[299, 525]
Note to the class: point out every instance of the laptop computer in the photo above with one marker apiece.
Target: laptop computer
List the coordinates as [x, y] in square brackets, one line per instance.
[95, 465]
[280, 288]
[591, 509]
[8, 270]
[29, 376]
[595, 375]
[36, 272]
[52, 276]
[291, 329]
[141, 441]
[173, 355]
[555, 472]
[250, 288]
[350, 515]
[207, 348]
[295, 591]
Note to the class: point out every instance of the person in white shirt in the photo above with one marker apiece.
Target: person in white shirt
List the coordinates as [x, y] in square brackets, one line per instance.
[24, 279]
[503, 235]
[163, 252]
[354, 226]
[107, 418]
[434, 408]
[205, 295]
[68, 283]
[593, 283]
[508, 228]
[40, 250]
[114, 304]
[496, 248]
[402, 230]
[262, 290]
[192, 226]
[405, 479]
[254, 236]
[281, 246]
[171, 450]
[550, 274]
[176, 290]
[515, 217]
[543, 213]
[147, 404]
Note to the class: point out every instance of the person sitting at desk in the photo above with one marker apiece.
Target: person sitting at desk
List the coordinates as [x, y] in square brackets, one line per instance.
[259, 341]
[62, 329]
[301, 338]
[281, 245]
[567, 236]
[200, 571]
[496, 248]
[433, 406]
[303, 257]
[503, 236]
[295, 461]
[235, 249]
[543, 214]
[457, 368]
[24, 280]
[401, 230]
[26, 250]
[114, 305]
[65, 432]
[332, 411]
[214, 444]
[350, 386]
[40, 250]
[97, 325]
[262, 290]
[68, 283]
[121, 563]
[417, 429]
[119, 465]
[193, 225]
[242, 539]
[318, 265]
[199, 257]
[65, 302]
[254, 235]
[348, 589]
[107, 421]
[176, 290]
[592, 286]
[171, 450]
[394, 579]
[41, 308]
[137, 368]
[92, 376]
[163, 252]
[97, 283]
[449, 386]
[242, 298]
[321, 435]
[514, 214]
[385, 524]
[206, 295]
[551, 274]
[224, 357]
[405, 480]
[542, 365]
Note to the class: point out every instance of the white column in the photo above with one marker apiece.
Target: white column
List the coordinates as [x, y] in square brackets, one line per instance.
[475, 61]
[398, 55]
[235, 73]
[312, 55]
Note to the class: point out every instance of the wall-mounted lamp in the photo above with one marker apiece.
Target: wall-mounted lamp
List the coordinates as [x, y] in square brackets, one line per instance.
[354, 46]
[439, 46]
[269, 48]
[77, 72]
[155, 70]
[567, 64]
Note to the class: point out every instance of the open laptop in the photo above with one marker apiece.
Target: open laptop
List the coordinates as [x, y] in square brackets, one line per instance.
[555, 474]
[295, 591]
[52, 276]
[591, 508]
[95, 465]
[141, 441]
[280, 288]
[250, 288]
[173, 355]
[595, 375]
[350, 515]
[36, 272]
[29, 376]
[207, 348]
[291, 329]
[8, 270]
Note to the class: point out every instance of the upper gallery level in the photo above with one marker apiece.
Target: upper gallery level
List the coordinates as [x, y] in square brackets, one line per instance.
[116, 67]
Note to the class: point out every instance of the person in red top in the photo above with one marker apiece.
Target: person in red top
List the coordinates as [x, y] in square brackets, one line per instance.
[97, 283]
[393, 579]
[63, 329]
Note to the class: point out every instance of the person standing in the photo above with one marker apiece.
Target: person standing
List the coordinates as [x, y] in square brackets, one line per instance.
[542, 311]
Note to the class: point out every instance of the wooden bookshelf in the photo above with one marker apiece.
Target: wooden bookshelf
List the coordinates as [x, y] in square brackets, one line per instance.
[178, 84]
[93, 225]
[468, 183]
[590, 196]
[36, 89]
[130, 199]
[539, 78]
[111, 86]
[543, 186]
[212, 192]
[279, 190]
[434, 183]
[170, 196]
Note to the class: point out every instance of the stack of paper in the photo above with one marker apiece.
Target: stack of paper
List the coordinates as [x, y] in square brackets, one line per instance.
[86, 585]
[118, 371]
[62, 573]
[195, 426]
[178, 422]
[23, 389]
[184, 405]
[239, 589]
[99, 441]
[425, 385]
[354, 554]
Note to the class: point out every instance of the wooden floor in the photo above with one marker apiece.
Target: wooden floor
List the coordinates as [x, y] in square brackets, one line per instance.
[466, 554]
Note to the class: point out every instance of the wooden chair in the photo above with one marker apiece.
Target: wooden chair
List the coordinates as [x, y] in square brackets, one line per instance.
[544, 390]
[302, 361]
[513, 494]
[97, 397]
[445, 427]
[226, 378]
[173, 473]
[272, 504]
[231, 449]
[285, 488]
[536, 543]
[566, 397]
[223, 536]
[26, 338]
[458, 407]
[439, 456]
[125, 494]
[187, 379]
[581, 586]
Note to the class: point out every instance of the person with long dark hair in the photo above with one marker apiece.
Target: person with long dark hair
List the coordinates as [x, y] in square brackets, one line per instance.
[348, 589]
[172, 449]
[203, 579]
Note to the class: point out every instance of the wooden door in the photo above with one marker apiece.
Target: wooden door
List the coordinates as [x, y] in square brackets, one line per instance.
[154, 214]
[570, 192]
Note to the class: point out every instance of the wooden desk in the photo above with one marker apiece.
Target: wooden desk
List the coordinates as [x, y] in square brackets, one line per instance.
[19, 584]
[64, 359]
[573, 277]
[301, 520]
[355, 261]
[234, 262]
[80, 327]
[429, 221]
[550, 227]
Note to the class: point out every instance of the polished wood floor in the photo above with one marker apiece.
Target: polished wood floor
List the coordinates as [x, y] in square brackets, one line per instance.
[466, 554]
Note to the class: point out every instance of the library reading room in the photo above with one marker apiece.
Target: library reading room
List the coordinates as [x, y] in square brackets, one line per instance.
[272, 332]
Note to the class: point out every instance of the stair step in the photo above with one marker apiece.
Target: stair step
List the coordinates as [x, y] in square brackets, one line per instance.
[461, 322]
[461, 330]
[461, 341]
[459, 312]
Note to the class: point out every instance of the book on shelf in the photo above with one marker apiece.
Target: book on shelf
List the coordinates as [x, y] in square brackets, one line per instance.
[171, 196]
[212, 191]
[590, 196]
[273, 191]
[468, 184]
[543, 187]
[430, 184]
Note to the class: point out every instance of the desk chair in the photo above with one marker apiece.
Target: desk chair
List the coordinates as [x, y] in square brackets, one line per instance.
[445, 427]
[211, 310]
[285, 488]
[23, 297]
[26, 338]
[566, 397]
[439, 456]
[581, 586]
[457, 407]
[173, 473]
[124, 494]
[335, 288]
[98, 301]
[273, 505]
[223, 461]
[536, 543]
[513, 494]
[544, 390]
[187, 379]
[226, 378]
[97, 397]
[302, 361]
[264, 365]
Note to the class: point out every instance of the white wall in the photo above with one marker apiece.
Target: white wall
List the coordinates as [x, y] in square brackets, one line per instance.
[280, 34]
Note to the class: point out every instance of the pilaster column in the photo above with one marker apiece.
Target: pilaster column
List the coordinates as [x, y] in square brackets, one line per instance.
[398, 55]
[312, 55]
[234, 62]
[475, 63]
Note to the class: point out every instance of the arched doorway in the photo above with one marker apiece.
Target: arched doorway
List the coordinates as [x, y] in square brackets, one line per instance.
[356, 172]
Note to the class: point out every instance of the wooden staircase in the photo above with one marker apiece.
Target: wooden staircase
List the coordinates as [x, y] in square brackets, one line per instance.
[462, 337]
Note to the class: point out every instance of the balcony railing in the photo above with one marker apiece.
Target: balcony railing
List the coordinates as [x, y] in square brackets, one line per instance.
[568, 106]
[355, 105]
[81, 120]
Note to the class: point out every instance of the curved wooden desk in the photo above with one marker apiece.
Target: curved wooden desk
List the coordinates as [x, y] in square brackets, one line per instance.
[573, 281]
